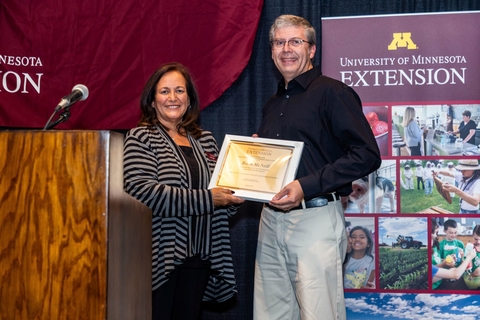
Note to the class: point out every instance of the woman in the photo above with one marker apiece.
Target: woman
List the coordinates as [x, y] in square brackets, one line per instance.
[467, 128]
[168, 161]
[413, 133]
[449, 123]
[468, 178]
[449, 129]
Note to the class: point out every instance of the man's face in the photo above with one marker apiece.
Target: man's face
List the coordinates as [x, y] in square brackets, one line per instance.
[291, 61]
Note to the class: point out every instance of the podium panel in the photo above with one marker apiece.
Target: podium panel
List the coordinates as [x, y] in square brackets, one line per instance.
[73, 244]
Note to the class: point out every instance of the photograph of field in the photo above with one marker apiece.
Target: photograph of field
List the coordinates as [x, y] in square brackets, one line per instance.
[403, 254]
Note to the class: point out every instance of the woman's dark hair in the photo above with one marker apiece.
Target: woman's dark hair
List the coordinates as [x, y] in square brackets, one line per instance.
[189, 121]
[369, 249]
[434, 229]
[475, 175]
[476, 230]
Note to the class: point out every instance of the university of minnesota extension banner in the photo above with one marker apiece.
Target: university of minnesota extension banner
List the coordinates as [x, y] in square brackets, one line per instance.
[414, 224]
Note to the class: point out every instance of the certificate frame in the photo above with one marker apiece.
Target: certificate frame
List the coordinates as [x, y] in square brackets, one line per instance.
[256, 168]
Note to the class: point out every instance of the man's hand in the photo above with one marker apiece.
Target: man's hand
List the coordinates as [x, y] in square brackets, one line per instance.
[289, 197]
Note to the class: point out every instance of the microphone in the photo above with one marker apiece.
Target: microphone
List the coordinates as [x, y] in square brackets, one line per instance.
[79, 93]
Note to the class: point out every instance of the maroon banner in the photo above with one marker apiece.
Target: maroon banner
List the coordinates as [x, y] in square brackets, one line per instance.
[112, 47]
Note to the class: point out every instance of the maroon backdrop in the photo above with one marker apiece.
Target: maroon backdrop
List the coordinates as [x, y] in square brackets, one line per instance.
[112, 47]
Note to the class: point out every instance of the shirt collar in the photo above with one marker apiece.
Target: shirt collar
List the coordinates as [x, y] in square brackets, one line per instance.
[303, 80]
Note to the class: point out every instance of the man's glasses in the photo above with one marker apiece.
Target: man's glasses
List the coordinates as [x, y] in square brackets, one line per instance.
[295, 43]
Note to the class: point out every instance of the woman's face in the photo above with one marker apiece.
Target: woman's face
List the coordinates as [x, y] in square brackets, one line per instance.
[358, 240]
[171, 98]
[467, 173]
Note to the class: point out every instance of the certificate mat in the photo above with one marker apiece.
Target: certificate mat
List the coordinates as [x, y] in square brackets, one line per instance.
[256, 168]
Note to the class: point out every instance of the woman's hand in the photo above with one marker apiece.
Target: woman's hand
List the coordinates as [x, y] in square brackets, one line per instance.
[224, 197]
[449, 187]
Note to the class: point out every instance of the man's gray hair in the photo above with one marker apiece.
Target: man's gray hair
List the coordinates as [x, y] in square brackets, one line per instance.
[288, 20]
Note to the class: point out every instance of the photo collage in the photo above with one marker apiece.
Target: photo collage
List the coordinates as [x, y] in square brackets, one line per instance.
[413, 225]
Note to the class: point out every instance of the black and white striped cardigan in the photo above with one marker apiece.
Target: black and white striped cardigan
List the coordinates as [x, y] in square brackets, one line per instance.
[157, 174]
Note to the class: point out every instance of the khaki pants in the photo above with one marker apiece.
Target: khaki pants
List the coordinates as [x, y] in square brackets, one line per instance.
[298, 268]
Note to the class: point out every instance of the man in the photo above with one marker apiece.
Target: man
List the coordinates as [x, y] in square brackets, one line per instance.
[467, 128]
[419, 173]
[302, 239]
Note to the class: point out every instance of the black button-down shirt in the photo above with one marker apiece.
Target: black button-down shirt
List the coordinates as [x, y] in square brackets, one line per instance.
[327, 116]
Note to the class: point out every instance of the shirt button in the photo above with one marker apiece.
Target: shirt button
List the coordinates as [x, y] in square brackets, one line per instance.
[278, 134]
[287, 96]
[281, 114]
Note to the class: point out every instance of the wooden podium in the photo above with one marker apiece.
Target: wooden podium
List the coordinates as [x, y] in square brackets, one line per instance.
[73, 244]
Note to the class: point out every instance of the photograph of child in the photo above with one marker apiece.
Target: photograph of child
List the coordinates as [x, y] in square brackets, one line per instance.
[455, 259]
[359, 264]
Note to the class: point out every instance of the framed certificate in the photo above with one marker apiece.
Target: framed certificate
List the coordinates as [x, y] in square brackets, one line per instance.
[256, 168]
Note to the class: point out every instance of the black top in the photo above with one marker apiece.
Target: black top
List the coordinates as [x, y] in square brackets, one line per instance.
[327, 116]
[464, 129]
[193, 164]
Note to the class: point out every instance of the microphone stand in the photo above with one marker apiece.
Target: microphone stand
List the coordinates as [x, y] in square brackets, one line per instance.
[61, 118]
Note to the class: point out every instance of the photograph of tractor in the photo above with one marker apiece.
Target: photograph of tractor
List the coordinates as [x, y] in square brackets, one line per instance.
[408, 242]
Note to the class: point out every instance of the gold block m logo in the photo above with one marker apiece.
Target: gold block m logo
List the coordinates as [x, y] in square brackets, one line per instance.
[402, 40]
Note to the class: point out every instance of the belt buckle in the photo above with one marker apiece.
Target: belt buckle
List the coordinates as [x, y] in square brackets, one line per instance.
[316, 202]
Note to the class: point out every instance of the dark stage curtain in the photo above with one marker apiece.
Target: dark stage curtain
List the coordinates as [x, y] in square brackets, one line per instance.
[238, 111]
